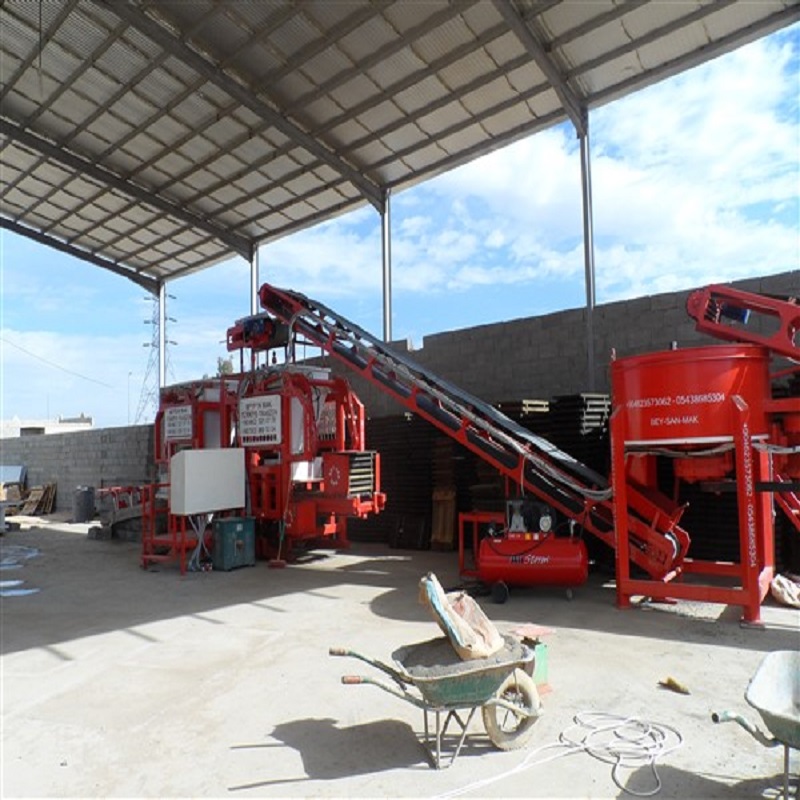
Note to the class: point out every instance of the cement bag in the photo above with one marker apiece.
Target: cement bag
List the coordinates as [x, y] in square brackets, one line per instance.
[786, 590]
[470, 631]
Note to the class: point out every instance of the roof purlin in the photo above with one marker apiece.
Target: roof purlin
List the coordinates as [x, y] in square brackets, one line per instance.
[161, 36]
[573, 106]
[237, 243]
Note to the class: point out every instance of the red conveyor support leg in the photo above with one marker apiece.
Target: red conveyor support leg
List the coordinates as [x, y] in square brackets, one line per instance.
[620, 503]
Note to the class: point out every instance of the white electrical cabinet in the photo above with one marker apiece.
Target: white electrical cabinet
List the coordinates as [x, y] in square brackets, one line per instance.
[202, 481]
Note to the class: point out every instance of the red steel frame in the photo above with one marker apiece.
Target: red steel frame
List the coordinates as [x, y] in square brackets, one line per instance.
[715, 310]
[474, 519]
[306, 509]
[310, 509]
[176, 540]
[706, 306]
[170, 545]
[188, 394]
[789, 501]
[756, 531]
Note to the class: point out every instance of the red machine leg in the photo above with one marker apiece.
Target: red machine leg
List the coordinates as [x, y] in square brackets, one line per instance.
[166, 545]
[620, 484]
[755, 569]
[751, 528]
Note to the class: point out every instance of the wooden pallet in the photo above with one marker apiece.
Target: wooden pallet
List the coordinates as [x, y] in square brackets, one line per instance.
[40, 500]
[48, 499]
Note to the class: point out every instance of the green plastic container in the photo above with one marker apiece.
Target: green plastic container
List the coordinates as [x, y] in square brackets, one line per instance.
[234, 543]
[540, 666]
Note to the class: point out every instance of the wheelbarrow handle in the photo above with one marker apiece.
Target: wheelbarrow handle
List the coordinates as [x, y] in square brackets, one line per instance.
[753, 730]
[357, 680]
[373, 662]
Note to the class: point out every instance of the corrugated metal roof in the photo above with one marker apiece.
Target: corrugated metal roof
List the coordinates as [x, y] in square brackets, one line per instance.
[157, 138]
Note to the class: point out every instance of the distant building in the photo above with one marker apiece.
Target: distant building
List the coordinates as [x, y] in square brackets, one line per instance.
[14, 427]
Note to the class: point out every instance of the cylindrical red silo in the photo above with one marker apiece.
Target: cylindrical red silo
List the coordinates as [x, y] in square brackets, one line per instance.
[683, 397]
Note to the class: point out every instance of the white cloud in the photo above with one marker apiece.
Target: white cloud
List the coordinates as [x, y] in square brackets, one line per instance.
[697, 176]
[335, 258]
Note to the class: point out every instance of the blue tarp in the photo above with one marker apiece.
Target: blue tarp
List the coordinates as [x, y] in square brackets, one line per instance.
[10, 473]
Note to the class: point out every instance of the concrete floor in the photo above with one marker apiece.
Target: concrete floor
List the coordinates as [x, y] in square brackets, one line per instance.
[119, 682]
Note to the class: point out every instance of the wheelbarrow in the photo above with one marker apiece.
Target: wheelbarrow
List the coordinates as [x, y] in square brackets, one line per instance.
[774, 691]
[431, 676]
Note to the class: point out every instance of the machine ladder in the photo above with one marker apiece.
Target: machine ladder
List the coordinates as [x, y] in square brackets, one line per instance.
[658, 544]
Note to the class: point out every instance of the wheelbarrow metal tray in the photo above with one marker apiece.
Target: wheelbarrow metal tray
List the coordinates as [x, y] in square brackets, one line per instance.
[445, 681]
[774, 691]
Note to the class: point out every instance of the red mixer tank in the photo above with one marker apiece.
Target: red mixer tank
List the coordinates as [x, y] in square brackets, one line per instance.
[683, 397]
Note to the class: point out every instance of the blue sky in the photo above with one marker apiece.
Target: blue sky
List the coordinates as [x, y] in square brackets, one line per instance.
[695, 180]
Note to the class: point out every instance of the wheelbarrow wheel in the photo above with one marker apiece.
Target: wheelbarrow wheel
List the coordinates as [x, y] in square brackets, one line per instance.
[507, 730]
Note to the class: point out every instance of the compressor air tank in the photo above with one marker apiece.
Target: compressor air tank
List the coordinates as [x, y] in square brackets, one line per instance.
[533, 560]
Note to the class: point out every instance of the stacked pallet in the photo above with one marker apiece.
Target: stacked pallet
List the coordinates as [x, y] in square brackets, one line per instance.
[38, 501]
[443, 498]
[578, 425]
[405, 445]
[531, 414]
[488, 492]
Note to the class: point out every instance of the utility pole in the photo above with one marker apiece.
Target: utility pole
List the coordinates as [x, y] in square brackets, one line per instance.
[148, 398]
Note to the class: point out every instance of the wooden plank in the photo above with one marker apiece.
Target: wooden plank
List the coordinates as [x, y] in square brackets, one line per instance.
[32, 500]
[48, 499]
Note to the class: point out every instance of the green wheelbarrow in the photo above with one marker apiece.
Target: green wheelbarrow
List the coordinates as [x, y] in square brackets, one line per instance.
[774, 691]
[431, 676]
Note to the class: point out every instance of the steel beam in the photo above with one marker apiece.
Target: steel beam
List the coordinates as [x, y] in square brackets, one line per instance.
[588, 250]
[82, 165]
[254, 269]
[147, 283]
[162, 335]
[568, 99]
[157, 33]
[386, 252]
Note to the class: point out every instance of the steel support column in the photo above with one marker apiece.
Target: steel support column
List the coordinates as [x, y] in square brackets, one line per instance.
[162, 335]
[386, 249]
[254, 280]
[588, 249]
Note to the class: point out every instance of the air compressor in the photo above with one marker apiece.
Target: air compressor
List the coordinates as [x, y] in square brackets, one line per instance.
[523, 547]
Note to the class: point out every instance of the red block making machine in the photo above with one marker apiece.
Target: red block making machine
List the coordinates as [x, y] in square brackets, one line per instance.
[300, 432]
[709, 408]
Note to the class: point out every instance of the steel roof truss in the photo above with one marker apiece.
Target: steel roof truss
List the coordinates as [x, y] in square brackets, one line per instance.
[681, 63]
[102, 175]
[241, 94]
[653, 36]
[10, 82]
[573, 105]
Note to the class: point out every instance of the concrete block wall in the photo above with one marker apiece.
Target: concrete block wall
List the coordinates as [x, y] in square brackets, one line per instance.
[101, 457]
[542, 357]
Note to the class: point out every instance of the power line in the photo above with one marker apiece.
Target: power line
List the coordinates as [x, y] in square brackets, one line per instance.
[53, 364]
